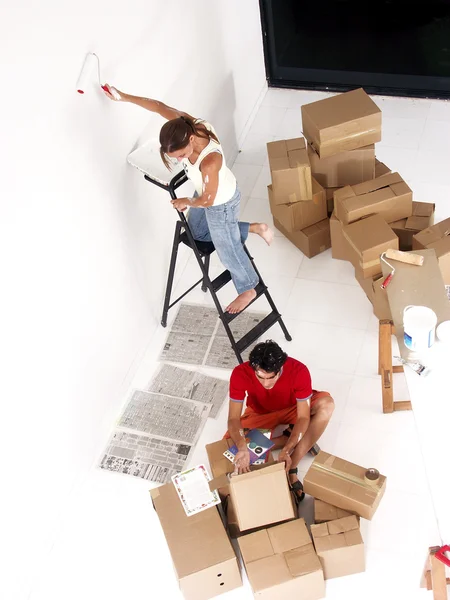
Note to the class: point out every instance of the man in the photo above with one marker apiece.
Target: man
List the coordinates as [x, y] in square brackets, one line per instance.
[278, 392]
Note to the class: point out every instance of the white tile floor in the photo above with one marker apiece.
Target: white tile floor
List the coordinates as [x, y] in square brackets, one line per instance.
[335, 334]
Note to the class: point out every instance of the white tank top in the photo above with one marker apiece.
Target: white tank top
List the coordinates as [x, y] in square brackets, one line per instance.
[227, 181]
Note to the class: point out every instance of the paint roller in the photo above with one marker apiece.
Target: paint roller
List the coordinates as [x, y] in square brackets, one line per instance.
[404, 257]
[90, 73]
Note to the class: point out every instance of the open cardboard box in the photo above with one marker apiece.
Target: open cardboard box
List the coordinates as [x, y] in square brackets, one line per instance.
[202, 554]
[312, 240]
[291, 171]
[437, 238]
[298, 216]
[340, 547]
[342, 122]
[388, 196]
[421, 218]
[345, 168]
[281, 563]
[343, 484]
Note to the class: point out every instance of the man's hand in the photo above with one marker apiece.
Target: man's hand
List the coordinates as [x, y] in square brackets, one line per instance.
[284, 457]
[180, 204]
[242, 462]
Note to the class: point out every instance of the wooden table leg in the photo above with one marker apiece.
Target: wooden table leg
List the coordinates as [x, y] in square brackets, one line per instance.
[386, 369]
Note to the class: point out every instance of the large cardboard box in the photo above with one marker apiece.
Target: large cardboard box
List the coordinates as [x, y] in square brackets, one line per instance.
[202, 554]
[281, 563]
[368, 239]
[376, 295]
[388, 196]
[342, 122]
[345, 168]
[324, 512]
[340, 246]
[381, 168]
[298, 216]
[340, 547]
[312, 240]
[343, 484]
[421, 218]
[291, 171]
[437, 237]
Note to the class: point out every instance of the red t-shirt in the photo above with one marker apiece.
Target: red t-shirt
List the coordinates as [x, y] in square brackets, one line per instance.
[293, 385]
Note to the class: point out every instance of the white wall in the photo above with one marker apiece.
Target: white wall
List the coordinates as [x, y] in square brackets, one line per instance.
[84, 240]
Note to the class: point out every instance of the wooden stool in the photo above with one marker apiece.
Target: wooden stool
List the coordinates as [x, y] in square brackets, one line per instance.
[386, 369]
[434, 576]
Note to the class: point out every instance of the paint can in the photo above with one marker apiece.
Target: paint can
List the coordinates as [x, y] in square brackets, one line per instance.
[419, 324]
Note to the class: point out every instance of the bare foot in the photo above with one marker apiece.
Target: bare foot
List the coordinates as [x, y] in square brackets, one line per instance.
[241, 302]
[263, 230]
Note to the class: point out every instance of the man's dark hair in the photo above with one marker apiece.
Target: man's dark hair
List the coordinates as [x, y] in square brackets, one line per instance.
[267, 356]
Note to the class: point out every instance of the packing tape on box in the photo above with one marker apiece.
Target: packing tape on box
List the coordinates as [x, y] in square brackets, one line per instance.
[365, 483]
[349, 136]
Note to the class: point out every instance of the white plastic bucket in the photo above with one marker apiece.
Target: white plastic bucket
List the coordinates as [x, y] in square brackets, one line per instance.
[419, 324]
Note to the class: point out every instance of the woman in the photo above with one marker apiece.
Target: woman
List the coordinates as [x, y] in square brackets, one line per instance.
[214, 209]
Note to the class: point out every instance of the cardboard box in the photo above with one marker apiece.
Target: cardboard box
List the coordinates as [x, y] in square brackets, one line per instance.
[340, 547]
[345, 168]
[437, 237]
[421, 218]
[281, 563]
[343, 484]
[368, 239]
[342, 122]
[324, 512]
[298, 216]
[312, 240]
[291, 171]
[202, 554]
[376, 295]
[329, 193]
[340, 246]
[381, 168]
[388, 196]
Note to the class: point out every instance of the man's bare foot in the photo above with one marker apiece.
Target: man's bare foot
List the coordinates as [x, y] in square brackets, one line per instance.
[263, 230]
[241, 302]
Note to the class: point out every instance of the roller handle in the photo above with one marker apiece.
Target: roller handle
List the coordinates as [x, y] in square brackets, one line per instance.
[387, 281]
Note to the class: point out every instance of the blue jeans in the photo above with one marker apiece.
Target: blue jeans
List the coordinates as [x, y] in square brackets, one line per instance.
[219, 225]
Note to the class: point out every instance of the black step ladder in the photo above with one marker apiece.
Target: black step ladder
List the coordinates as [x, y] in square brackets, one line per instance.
[203, 251]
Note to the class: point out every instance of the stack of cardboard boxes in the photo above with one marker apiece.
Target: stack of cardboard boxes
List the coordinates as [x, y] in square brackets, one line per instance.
[281, 557]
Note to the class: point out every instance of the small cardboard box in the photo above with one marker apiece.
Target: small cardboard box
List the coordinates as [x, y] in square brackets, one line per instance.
[324, 512]
[340, 547]
[343, 484]
[437, 237]
[342, 122]
[202, 554]
[345, 168]
[421, 218]
[388, 196]
[368, 239]
[340, 246]
[376, 295]
[281, 563]
[298, 216]
[381, 168]
[312, 240]
[291, 171]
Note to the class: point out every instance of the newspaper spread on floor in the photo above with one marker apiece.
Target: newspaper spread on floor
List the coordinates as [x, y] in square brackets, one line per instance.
[181, 383]
[155, 436]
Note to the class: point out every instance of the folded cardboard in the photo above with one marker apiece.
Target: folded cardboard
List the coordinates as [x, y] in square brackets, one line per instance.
[329, 193]
[340, 246]
[377, 296]
[368, 238]
[342, 122]
[340, 547]
[421, 218]
[388, 196]
[381, 168]
[203, 557]
[324, 512]
[343, 484]
[345, 168]
[299, 215]
[281, 563]
[312, 240]
[290, 170]
[437, 238]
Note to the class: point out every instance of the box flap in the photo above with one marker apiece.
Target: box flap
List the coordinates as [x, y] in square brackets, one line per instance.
[329, 542]
[342, 525]
[267, 572]
[434, 233]
[377, 184]
[423, 209]
[302, 561]
[255, 545]
[217, 461]
[277, 149]
[219, 482]
[368, 235]
[340, 109]
[298, 158]
[288, 536]
[295, 144]
[319, 530]
[416, 224]
[353, 537]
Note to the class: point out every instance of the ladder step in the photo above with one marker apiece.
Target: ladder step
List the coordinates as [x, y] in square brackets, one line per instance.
[260, 290]
[221, 280]
[257, 331]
